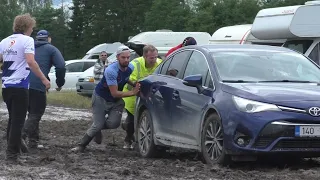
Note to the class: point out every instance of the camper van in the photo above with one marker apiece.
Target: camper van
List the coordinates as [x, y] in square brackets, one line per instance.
[94, 52]
[298, 24]
[168, 38]
[240, 34]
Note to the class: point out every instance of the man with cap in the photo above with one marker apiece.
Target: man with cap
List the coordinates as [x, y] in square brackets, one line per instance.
[186, 42]
[46, 55]
[107, 97]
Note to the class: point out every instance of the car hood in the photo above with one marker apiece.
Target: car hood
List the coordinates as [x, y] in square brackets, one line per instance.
[277, 93]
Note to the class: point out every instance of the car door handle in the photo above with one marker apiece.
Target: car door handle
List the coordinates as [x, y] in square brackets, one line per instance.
[154, 90]
[175, 95]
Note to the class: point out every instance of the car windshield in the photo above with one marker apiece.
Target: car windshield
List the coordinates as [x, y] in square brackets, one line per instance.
[263, 66]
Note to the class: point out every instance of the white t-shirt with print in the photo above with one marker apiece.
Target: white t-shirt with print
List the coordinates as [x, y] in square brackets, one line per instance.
[16, 71]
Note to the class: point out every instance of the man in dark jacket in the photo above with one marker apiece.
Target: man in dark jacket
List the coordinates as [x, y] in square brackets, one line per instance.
[46, 55]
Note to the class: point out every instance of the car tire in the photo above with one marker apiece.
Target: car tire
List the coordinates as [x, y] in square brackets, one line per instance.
[212, 142]
[146, 146]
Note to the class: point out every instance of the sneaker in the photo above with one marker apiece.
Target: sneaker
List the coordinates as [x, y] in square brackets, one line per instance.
[78, 149]
[98, 137]
[128, 145]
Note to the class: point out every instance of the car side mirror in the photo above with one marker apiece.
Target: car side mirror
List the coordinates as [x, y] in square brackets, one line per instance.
[194, 81]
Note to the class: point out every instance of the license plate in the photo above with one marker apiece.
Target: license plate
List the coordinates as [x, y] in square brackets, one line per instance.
[305, 131]
[78, 87]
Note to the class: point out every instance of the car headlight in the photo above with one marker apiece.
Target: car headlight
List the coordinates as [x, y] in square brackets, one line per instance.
[89, 79]
[250, 106]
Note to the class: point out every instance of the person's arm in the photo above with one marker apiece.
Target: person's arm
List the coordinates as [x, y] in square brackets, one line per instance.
[60, 66]
[134, 75]
[111, 78]
[33, 65]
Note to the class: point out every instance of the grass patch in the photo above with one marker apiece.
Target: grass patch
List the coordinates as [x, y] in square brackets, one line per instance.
[68, 99]
[65, 99]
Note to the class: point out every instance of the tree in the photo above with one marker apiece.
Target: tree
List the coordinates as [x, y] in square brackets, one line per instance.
[168, 14]
[8, 10]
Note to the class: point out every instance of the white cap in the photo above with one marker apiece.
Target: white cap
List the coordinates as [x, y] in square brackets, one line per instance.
[122, 48]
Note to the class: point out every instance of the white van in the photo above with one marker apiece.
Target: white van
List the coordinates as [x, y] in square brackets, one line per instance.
[94, 52]
[298, 24]
[168, 38]
[239, 34]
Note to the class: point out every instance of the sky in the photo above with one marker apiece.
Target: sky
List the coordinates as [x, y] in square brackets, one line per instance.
[58, 3]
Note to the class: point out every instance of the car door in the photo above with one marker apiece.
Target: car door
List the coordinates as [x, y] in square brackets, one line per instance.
[187, 105]
[171, 70]
[73, 72]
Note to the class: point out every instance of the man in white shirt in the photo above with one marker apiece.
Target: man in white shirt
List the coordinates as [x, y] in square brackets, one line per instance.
[17, 54]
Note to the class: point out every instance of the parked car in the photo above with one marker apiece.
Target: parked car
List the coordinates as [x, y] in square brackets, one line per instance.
[85, 85]
[74, 68]
[231, 102]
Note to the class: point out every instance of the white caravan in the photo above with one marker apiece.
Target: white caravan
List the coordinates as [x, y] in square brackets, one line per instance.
[239, 34]
[298, 24]
[168, 38]
[94, 52]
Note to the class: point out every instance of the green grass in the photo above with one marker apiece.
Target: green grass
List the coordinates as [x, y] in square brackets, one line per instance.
[66, 99]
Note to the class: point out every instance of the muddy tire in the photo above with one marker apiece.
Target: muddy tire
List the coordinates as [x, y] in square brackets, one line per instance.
[146, 146]
[212, 146]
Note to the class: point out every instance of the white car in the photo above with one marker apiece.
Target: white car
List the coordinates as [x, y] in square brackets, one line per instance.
[74, 68]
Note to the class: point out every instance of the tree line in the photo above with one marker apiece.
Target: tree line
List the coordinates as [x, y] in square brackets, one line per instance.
[93, 22]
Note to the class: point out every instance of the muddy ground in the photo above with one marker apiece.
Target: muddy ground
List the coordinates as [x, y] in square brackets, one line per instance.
[61, 128]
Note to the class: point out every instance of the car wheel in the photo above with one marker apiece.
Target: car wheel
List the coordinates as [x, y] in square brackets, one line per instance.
[146, 145]
[212, 146]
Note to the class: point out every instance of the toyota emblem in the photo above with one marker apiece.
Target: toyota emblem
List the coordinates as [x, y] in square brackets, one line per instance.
[314, 111]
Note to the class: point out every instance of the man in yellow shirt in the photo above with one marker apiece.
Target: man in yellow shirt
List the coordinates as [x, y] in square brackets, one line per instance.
[143, 66]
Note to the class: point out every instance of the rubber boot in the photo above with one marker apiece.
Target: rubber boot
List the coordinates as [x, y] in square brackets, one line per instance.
[83, 144]
[98, 137]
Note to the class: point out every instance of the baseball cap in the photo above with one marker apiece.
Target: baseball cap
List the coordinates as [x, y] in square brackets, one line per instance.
[43, 34]
[189, 41]
[122, 49]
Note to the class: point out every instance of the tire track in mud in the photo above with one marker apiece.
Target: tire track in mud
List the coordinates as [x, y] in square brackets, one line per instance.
[62, 128]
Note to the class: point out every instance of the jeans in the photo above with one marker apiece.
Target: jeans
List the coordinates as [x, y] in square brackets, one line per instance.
[16, 100]
[100, 108]
[36, 109]
[129, 127]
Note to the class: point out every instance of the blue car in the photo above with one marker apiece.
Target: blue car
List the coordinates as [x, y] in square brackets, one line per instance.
[230, 102]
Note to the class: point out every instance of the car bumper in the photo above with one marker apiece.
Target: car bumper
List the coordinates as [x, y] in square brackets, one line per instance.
[85, 88]
[271, 132]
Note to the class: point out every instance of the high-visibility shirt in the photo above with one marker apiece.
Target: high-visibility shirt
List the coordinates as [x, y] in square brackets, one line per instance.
[140, 71]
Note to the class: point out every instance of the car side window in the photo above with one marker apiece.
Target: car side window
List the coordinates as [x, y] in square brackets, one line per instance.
[94, 57]
[75, 67]
[88, 65]
[314, 55]
[165, 66]
[177, 62]
[197, 64]
[208, 82]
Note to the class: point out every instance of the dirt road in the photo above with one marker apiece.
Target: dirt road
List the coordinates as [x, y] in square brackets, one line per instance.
[61, 128]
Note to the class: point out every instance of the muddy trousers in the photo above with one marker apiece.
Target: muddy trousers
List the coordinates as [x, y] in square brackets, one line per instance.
[129, 127]
[100, 108]
[36, 108]
[16, 100]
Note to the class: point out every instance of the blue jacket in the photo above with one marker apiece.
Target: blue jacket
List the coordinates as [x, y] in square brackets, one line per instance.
[47, 56]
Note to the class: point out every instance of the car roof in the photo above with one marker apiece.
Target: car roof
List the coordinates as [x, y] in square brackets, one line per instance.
[80, 60]
[243, 47]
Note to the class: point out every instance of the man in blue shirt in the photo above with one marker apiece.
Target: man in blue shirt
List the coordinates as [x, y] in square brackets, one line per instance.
[46, 55]
[107, 98]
